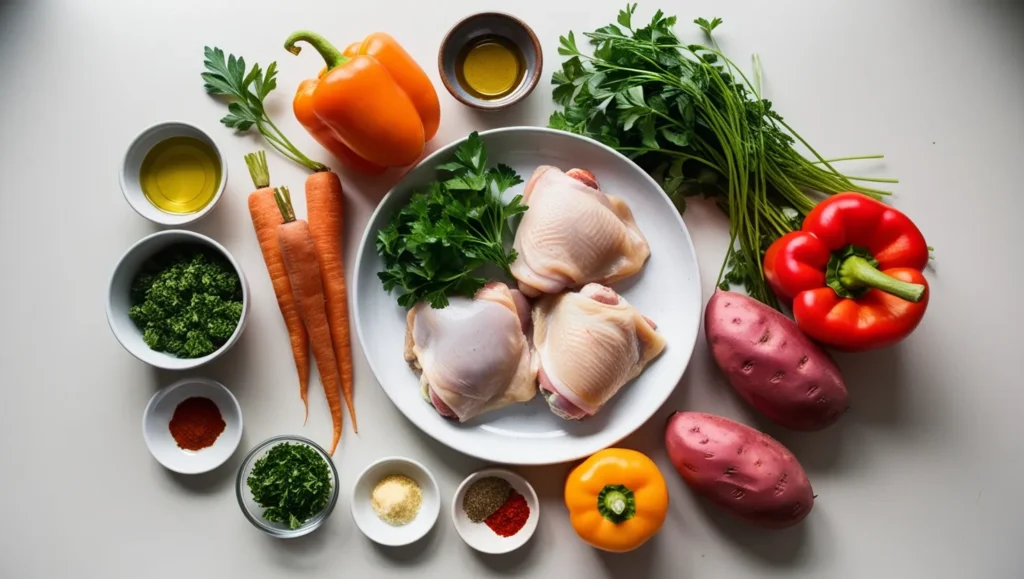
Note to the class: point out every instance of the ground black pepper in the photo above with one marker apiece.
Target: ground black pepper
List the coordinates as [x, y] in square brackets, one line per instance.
[484, 497]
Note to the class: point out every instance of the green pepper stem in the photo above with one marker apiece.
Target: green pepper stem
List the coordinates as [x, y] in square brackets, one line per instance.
[616, 503]
[857, 272]
[332, 56]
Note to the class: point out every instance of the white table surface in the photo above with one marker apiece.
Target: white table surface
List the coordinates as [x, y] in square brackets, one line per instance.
[922, 477]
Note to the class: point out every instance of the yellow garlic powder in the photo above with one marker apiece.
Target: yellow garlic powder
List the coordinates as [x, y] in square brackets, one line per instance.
[396, 499]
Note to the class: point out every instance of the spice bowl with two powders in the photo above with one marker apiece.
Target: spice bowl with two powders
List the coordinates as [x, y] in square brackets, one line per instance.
[495, 511]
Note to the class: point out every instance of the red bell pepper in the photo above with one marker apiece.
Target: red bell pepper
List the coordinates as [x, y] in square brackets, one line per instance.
[853, 273]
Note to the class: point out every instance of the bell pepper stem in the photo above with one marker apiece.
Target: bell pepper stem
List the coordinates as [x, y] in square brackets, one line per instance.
[332, 56]
[616, 503]
[857, 272]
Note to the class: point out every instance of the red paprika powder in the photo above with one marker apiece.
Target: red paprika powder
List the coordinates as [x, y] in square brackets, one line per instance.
[196, 423]
[510, 517]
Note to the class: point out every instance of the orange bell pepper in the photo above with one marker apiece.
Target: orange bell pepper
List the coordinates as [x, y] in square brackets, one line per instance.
[617, 499]
[407, 74]
[372, 106]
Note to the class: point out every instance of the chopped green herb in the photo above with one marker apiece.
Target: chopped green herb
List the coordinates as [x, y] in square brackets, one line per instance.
[187, 301]
[434, 245]
[292, 482]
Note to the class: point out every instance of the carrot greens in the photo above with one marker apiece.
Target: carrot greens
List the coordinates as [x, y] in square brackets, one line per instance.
[227, 76]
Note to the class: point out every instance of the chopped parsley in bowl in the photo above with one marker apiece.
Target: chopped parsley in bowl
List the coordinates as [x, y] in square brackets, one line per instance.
[287, 486]
[177, 300]
[186, 301]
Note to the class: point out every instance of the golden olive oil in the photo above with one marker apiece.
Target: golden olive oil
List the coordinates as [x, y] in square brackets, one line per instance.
[180, 175]
[490, 67]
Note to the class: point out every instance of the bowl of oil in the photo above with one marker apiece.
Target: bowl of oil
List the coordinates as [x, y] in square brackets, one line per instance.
[490, 61]
[173, 173]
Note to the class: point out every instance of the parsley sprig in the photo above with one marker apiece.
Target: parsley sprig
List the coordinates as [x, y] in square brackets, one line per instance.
[692, 118]
[436, 244]
[292, 482]
[227, 76]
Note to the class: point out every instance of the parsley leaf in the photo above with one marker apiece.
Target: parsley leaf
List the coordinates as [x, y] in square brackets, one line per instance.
[226, 76]
[435, 245]
[706, 26]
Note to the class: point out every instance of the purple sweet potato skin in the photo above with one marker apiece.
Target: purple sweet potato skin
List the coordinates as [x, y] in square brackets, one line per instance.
[774, 366]
[742, 470]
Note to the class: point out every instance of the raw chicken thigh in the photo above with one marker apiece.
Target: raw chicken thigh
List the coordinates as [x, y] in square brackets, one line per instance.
[590, 344]
[473, 355]
[573, 234]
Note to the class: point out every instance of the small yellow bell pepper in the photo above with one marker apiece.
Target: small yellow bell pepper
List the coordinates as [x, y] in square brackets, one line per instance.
[617, 499]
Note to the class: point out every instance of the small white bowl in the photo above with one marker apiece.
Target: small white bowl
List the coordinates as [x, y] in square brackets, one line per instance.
[479, 535]
[136, 153]
[157, 417]
[119, 298]
[366, 518]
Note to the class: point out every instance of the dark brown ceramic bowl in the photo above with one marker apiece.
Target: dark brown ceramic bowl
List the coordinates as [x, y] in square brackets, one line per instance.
[485, 24]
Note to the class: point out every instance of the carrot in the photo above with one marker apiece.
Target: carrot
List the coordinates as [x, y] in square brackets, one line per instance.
[303, 267]
[323, 204]
[265, 218]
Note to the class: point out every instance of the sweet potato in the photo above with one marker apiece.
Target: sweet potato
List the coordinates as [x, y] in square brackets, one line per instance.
[772, 365]
[742, 470]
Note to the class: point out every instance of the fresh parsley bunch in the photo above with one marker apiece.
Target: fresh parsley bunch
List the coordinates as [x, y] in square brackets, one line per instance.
[694, 120]
[434, 246]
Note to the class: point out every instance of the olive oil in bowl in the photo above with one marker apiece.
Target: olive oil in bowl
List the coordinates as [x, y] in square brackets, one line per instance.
[180, 175]
[490, 67]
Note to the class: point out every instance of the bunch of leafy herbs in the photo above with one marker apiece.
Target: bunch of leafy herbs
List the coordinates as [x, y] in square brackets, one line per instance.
[436, 244]
[692, 118]
[187, 301]
[227, 76]
[292, 482]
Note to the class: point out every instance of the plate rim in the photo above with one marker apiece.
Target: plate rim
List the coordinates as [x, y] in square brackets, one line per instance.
[471, 450]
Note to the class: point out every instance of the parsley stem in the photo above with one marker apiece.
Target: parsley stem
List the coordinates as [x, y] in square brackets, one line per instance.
[673, 154]
[854, 158]
[872, 179]
[285, 147]
[276, 142]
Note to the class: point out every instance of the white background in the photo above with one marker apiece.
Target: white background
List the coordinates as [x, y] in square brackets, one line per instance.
[922, 477]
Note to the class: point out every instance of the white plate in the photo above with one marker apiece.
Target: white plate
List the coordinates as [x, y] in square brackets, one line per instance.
[157, 418]
[667, 290]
